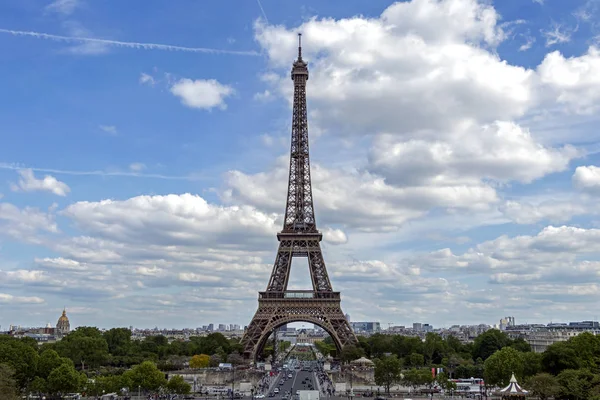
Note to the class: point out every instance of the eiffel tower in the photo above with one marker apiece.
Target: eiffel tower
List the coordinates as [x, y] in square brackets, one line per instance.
[299, 238]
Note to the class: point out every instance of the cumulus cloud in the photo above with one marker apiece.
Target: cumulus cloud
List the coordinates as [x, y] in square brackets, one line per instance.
[171, 220]
[6, 298]
[587, 178]
[554, 210]
[501, 151]
[334, 236]
[202, 94]
[575, 81]
[29, 183]
[356, 199]
[25, 223]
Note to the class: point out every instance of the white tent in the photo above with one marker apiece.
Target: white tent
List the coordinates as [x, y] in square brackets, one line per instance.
[513, 389]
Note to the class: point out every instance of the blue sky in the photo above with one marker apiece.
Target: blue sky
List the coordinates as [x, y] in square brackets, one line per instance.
[453, 144]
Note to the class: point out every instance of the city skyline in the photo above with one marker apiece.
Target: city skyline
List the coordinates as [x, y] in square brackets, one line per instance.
[143, 177]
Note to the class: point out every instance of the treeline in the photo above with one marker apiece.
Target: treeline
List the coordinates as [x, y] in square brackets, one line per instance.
[566, 370]
[90, 360]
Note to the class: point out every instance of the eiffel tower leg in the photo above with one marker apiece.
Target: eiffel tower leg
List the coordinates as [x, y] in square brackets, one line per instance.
[275, 312]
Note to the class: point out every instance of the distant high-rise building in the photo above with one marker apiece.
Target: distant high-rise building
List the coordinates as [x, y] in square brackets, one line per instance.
[367, 327]
[506, 322]
[417, 326]
[222, 327]
[348, 317]
[211, 327]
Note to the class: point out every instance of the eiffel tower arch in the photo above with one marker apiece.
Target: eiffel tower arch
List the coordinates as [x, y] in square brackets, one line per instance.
[299, 238]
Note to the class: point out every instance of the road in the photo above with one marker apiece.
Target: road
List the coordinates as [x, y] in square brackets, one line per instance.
[290, 382]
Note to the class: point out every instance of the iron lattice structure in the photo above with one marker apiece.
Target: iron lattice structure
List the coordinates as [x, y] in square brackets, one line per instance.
[299, 238]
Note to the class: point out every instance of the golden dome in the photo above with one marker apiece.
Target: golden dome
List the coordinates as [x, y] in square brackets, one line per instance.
[63, 317]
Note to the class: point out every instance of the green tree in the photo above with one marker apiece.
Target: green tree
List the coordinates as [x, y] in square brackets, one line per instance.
[416, 360]
[38, 385]
[500, 365]
[434, 348]
[379, 345]
[63, 379]
[532, 364]
[350, 353]
[8, 384]
[559, 357]
[21, 357]
[488, 343]
[178, 385]
[418, 377]
[215, 360]
[84, 346]
[118, 341]
[521, 345]
[146, 375]
[387, 371]
[50, 360]
[587, 347]
[235, 359]
[200, 361]
[444, 381]
[543, 385]
[110, 384]
[576, 384]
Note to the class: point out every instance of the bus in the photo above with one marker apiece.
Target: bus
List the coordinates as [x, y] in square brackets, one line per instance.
[468, 386]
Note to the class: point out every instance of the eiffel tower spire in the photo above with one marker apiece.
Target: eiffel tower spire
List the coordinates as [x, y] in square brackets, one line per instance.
[299, 211]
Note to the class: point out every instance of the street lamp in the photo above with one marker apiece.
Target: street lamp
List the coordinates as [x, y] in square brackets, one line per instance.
[232, 379]
[252, 393]
[139, 391]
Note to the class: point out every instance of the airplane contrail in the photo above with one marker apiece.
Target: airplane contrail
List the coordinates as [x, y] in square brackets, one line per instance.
[15, 167]
[263, 11]
[130, 45]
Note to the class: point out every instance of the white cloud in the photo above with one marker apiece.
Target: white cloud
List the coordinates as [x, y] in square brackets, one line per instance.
[110, 129]
[202, 94]
[6, 298]
[171, 220]
[146, 79]
[65, 7]
[29, 183]
[558, 34]
[502, 152]
[424, 73]
[357, 199]
[137, 167]
[334, 236]
[264, 96]
[25, 224]
[84, 46]
[529, 41]
[587, 178]
[551, 210]
[575, 80]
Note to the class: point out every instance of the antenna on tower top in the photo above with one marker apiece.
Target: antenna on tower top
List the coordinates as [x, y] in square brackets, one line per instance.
[300, 46]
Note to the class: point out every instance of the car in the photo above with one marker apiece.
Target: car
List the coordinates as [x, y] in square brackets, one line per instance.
[276, 390]
[281, 382]
[289, 375]
[259, 396]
